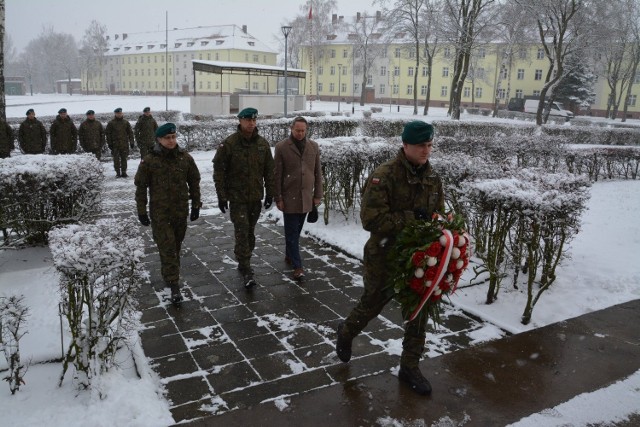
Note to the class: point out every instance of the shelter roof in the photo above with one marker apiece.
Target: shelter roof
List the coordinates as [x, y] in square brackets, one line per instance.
[222, 67]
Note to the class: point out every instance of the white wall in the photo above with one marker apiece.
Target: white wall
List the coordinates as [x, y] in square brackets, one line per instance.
[210, 105]
[272, 104]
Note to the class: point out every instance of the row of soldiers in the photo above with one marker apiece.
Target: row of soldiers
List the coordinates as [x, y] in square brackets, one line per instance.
[118, 135]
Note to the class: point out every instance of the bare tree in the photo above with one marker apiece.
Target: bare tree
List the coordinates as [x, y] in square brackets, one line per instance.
[3, 101]
[465, 25]
[94, 45]
[562, 32]
[405, 16]
[634, 16]
[366, 36]
[431, 16]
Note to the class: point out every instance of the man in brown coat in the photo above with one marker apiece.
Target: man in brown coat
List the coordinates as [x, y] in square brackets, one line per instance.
[298, 187]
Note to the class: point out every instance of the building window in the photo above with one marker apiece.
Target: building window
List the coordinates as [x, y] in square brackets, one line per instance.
[397, 52]
[480, 73]
[369, 79]
[519, 93]
[409, 89]
[208, 85]
[410, 71]
[344, 71]
[502, 93]
[321, 53]
[412, 53]
[320, 70]
[445, 71]
[503, 73]
[256, 58]
[481, 52]
[356, 87]
[383, 71]
[217, 85]
[395, 89]
[520, 74]
[384, 53]
[637, 79]
[446, 52]
[332, 87]
[478, 92]
[217, 56]
[425, 73]
[333, 53]
[631, 101]
[443, 91]
[256, 86]
[466, 92]
[538, 75]
[332, 70]
[345, 53]
[522, 54]
[540, 54]
[343, 88]
[536, 93]
[396, 71]
[319, 87]
[423, 90]
[382, 89]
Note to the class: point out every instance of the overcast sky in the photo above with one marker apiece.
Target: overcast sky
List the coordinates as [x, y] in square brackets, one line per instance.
[25, 19]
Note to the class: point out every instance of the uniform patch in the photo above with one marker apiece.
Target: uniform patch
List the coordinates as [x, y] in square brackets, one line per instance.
[375, 181]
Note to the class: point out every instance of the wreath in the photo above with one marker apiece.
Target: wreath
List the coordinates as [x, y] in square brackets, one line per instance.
[427, 261]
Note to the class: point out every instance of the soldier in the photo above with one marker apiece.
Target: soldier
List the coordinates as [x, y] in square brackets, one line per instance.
[64, 134]
[91, 134]
[32, 136]
[119, 138]
[298, 187]
[6, 140]
[144, 131]
[242, 171]
[397, 192]
[172, 178]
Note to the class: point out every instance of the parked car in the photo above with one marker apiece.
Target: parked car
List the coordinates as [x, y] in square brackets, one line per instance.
[531, 106]
[516, 104]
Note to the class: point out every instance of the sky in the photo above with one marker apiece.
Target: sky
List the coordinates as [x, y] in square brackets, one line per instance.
[592, 280]
[26, 19]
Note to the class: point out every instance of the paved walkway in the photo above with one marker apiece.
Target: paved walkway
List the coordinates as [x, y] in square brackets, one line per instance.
[266, 357]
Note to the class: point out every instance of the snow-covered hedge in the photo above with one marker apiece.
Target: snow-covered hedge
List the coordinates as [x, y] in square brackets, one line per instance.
[38, 192]
[100, 267]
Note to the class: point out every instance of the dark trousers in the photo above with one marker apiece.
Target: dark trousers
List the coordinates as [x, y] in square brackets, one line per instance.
[168, 234]
[293, 224]
[244, 217]
[120, 156]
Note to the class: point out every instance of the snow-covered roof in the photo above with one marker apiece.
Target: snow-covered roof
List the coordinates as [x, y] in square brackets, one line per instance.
[186, 40]
[219, 67]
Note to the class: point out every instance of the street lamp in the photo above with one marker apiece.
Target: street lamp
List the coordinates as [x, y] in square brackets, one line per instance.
[339, 85]
[286, 29]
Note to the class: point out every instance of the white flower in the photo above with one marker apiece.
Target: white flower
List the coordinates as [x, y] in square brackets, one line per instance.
[431, 261]
[455, 253]
[461, 240]
[459, 264]
[437, 291]
[419, 273]
[443, 240]
[449, 277]
[428, 283]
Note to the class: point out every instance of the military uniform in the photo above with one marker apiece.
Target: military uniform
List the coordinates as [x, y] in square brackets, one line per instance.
[242, 171]
[6, 140]
[32, 136]
[64, 136]
[119, 138]
[144, 131]
[171, 178]
[91, 135]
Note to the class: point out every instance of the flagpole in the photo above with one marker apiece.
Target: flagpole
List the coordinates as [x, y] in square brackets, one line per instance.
[311, 52]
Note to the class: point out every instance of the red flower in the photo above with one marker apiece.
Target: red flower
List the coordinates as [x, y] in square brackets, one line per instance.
[435, 297]
[430, 274]
[463, 250]
[417, 285]
[445, 286]
[418, 258]
[451, 268]
[434, 249]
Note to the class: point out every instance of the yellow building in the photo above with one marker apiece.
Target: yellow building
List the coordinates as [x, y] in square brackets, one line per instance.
[147, 63]
[336, 74]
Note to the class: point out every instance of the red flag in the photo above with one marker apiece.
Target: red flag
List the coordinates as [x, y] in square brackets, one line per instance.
[310, 11]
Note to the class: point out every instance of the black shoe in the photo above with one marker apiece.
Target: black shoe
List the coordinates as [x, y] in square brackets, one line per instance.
[414, 379]
[249, 281]
[343, 344]
[176, 296]
[124, 175]
[118, 175]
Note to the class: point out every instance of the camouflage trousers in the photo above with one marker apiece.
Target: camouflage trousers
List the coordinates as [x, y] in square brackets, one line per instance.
[120, 156]
[244, 217]
[168, 234]
[374, 298]
[144, 149]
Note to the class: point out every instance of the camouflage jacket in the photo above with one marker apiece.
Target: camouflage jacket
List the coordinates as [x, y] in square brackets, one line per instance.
[391, 194]
[145, 131]
[91, 135]
[32, 136]
[172, 179]
[119, 133]
[243, 168]
[6, 138]
[64, 136]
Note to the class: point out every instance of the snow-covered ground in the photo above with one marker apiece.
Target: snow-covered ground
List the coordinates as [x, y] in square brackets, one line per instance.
[603, 271]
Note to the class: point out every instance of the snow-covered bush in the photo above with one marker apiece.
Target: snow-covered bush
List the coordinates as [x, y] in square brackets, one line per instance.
[13, 315]
[608, 162]
[38, 192]
[100, 267]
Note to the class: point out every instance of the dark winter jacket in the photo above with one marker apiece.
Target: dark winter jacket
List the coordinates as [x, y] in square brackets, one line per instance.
[91, 135]
[6, 139]
[145, 131]
[32, 136]
[119, 134]
[64, 136]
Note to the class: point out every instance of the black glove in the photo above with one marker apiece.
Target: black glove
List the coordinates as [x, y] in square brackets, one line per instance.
[268, 201]
[420, 213]
[223, 205]
[195, 214]
[132, 146]
[144, 220]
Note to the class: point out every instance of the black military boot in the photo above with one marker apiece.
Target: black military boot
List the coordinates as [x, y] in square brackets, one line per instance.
[124, 174]
[248, 280]
[343, 344]
[118, 175]
[414, 379]
[176, 296]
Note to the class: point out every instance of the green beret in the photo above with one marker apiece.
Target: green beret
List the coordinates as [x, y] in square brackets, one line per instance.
[165, 129]
[90, 113]
[118, 110]
[417, 132]
[62, 110]
[146, 110]
[248, 113]
[30, 110]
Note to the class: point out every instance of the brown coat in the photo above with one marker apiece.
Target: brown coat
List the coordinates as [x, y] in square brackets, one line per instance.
[298, 178]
